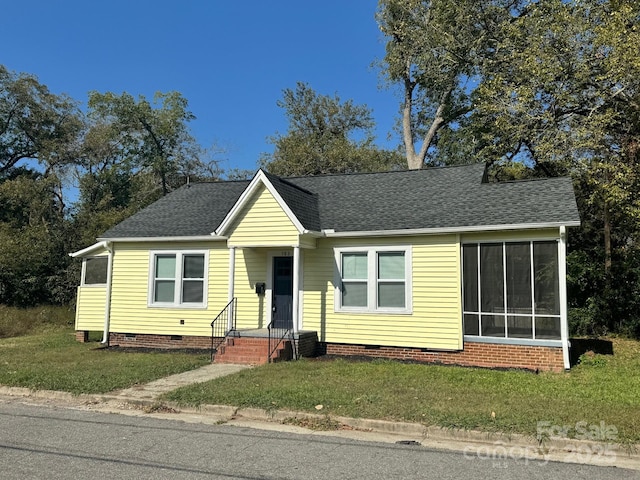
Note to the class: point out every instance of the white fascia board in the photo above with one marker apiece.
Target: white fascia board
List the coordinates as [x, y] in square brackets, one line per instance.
[193, 238]
[313, 233]
[259, 178]
[435, 231]
[86, 251]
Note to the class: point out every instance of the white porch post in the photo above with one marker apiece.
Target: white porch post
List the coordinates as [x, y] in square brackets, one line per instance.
[232, 276]
[296, 287]
[107, 301]
[562, 274]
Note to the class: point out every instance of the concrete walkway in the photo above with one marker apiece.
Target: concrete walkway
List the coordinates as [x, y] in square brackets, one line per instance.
[151, 391]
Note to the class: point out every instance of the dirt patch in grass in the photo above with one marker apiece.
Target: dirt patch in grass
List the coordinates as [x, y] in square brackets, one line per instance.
[187, 351]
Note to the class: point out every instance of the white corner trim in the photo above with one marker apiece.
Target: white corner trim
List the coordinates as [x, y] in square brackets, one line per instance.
[562, 277]
[86, 251]
[259, 178]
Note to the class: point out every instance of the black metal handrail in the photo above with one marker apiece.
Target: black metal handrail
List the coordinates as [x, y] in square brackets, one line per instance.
[220, 325]
[276, 337]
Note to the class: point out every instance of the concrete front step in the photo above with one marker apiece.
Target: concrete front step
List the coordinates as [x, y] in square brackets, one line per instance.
[241, 359]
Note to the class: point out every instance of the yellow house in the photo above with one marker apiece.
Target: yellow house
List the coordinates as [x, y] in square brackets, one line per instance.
[434, 265]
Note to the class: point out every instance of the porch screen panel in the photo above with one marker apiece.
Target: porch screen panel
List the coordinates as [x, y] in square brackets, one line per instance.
[519, 326]
[95, 272]
[518, 272]
[354, 279]
[470, 277]
[471, 325]
[548, 328]
[545, 267]
[470, 289]
[491, 278]
[492, 325]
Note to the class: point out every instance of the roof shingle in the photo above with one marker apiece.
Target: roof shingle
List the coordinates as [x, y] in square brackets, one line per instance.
[447, 197]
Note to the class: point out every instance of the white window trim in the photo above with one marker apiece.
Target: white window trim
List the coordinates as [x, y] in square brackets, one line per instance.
[84, 272]
[506, 339]
[372, 280]
[177, 303]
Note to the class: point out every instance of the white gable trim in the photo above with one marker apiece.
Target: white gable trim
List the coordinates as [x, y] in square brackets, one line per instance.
[86, 251]
[259, 178]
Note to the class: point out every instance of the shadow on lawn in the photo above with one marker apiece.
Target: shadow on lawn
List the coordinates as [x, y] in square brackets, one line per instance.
[580, 346]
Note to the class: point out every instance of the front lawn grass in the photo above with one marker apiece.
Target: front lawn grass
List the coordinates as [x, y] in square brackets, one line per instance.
[601, 389]
[54, 360]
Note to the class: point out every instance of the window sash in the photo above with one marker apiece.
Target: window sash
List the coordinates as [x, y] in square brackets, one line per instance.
[178, 279]
[522, 308]
[383, 286]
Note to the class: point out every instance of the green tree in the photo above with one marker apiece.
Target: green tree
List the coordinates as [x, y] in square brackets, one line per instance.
[34, 123]
[32, 239]
[325, 135]
[147, 137]
[434, 50]
[561, 94]
[134, 151]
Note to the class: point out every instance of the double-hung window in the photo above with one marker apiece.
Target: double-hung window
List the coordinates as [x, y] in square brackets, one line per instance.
[511, 290]
[374, 279]
[178, 279]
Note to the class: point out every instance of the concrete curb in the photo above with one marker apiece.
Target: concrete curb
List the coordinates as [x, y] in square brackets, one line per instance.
[555, 448]
[472, 442]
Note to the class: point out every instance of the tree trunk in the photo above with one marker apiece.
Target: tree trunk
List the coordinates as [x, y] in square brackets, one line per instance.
[415, 160]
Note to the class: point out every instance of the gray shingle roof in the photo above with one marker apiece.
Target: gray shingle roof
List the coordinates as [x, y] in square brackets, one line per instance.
[302, 202]
[191, 210]
[448, 197]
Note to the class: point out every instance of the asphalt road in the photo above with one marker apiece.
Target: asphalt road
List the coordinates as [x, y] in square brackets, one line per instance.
[55, 443]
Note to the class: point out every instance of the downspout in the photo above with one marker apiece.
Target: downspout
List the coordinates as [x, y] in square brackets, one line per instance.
[107, 302]
[562, 274]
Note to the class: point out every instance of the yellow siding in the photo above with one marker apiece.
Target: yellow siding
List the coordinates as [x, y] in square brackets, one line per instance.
[262, 222]
[436, 321]
[307, 241]
[90, 308]
[130, 283]
[251, 268]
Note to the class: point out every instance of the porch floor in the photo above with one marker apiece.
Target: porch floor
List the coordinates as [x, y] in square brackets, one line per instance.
[264, 333]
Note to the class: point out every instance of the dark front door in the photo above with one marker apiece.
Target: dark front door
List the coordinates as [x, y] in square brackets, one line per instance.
[282, 304]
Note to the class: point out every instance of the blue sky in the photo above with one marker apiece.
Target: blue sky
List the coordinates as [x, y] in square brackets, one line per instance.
[230, 59]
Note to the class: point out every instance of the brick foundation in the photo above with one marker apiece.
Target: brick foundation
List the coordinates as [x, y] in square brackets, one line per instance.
[158, 341]
[306, 343]
[475, 354]
[82, 336]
